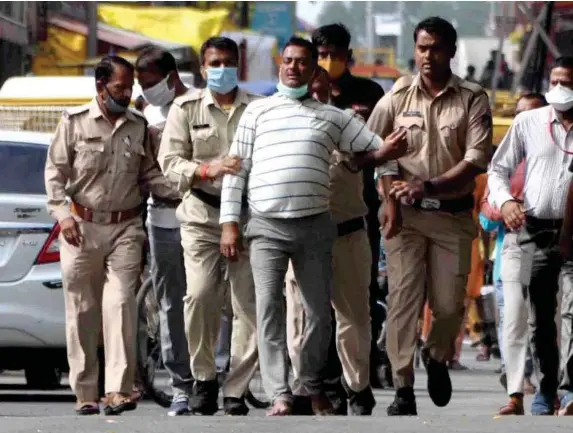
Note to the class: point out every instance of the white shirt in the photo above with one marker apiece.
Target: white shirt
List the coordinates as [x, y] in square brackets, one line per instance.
[547, 174]
[285, 146]
[162, 217]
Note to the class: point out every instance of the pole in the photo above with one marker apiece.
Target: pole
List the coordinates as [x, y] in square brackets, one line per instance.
[244, 15]
[529, 51]
[540, 72]
[369, 33]
[497, 67]
[92, 28]
[400, 39]
[543, 32]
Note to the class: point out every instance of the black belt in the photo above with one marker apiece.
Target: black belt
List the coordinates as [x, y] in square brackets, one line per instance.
[542, 223]
[165, 202]
[350, 226]
[213, 200]
[450, 206]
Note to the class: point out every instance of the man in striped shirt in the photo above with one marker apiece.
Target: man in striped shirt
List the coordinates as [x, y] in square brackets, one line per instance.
[285, 143]
[532, 261]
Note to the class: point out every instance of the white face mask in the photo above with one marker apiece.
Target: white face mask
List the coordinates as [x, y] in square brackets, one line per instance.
[160, 95]
[560, 98]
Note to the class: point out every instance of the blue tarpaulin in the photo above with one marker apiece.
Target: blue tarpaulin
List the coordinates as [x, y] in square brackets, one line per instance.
[260, 87]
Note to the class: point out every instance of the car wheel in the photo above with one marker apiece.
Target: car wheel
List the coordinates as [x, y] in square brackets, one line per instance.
[44, 378]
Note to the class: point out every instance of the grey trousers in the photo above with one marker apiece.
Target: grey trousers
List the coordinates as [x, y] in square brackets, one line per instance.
[566, 384]
[169, 283]
[307, 242]
[223, 348]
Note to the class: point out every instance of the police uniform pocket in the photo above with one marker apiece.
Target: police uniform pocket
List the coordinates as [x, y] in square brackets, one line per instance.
[89, 156]
[450, 133]
[415, 131]
[206, 143]
[130, 159]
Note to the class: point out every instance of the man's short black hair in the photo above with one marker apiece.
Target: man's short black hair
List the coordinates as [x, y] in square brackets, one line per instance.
[220, 43]
[332, 34]
[105, 67]
[437, 26]
[297, 41]
[563, 62]
[158, 58]
[533, 95]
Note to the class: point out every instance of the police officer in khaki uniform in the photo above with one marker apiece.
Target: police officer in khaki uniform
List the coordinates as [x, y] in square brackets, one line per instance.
[100, 158]
[196, 139]
[426, 216]
[352, 259]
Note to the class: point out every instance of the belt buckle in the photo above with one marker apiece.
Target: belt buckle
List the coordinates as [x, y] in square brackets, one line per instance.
[430, 204]
[101, 217]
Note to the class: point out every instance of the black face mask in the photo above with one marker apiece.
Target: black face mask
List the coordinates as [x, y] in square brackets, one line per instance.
[116, 106]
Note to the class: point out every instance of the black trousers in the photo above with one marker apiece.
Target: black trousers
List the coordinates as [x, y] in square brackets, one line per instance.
[334, 368]
[541, 239]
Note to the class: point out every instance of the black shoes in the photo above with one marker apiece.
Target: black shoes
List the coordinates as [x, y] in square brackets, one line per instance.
[404, 403]
[361, 403]
[235, 406]
[336, 394]
[205, 395]
[302, 405]
[439, 382]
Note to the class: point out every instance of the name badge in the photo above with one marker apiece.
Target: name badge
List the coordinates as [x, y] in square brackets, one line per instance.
[202, 126]
[126, 141]
[412, 114]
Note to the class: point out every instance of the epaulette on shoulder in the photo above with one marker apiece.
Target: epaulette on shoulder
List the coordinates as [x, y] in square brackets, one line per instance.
[74, 111]
[475, 88]
[189, 97]
[137, 113]
[402, 83]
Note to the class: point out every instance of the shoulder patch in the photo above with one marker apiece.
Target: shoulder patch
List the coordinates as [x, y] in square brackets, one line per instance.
[473, 87]
[74, 111]
[402, 83]
[189, 97]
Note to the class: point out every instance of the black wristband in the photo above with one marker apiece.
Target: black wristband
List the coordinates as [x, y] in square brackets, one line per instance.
[429, 188]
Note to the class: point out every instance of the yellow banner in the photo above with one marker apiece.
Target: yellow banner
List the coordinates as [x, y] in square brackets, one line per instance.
[182, 25]
[61, 46]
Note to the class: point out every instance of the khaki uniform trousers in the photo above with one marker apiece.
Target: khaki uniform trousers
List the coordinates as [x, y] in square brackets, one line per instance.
[205, 270]
[352, 261]
[100, 279]
[436, 246]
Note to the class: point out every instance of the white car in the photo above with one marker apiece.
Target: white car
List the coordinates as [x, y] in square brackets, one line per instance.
[32, 317]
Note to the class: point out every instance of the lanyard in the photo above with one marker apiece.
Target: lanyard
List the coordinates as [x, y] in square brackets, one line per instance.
[553, 138]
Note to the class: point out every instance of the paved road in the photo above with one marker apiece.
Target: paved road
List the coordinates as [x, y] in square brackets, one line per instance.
[477, 396]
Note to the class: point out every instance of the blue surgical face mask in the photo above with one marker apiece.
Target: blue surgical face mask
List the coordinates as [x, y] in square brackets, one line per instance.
[292, 92]
[114, 105]
[222, 80]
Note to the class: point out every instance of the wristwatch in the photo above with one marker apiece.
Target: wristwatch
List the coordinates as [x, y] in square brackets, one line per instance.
[429, 188]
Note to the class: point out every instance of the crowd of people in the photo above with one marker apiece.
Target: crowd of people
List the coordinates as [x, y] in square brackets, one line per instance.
[254, 203]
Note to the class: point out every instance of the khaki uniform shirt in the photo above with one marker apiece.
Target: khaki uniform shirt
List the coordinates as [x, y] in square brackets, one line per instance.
[346, 187]
[98, 165]
[454, 126]
[197, 131]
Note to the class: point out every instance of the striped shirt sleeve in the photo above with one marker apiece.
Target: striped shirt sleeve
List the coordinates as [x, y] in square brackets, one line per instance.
[507, 157]
[234, 185]
[355, 135]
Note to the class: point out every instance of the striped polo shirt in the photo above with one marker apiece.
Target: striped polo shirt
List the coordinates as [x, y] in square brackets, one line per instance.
[285, 146]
